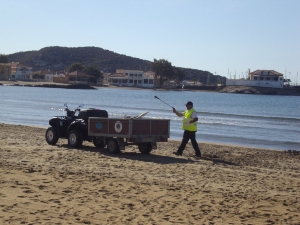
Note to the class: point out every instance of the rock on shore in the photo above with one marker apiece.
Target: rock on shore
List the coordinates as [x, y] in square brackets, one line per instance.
[259, 90]
[51, 85]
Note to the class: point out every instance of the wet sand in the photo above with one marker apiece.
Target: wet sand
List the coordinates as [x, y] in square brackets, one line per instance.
[44, 184]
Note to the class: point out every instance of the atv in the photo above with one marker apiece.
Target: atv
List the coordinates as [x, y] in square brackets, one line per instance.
[74, 127]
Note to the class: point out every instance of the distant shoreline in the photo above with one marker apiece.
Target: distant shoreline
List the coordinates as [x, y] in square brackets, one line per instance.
[82, 86]
[46, 85]
[228, 89]
[260, 90]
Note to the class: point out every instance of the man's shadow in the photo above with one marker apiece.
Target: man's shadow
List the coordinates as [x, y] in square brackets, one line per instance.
[151, 157]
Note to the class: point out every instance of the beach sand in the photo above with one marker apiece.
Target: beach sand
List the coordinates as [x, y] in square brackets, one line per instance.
[44, 184]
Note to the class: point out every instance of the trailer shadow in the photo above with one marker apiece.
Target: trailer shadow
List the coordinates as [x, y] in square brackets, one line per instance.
[159, 159]
[163, 159]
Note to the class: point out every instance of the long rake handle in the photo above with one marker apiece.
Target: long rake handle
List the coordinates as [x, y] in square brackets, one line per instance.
[163, 101]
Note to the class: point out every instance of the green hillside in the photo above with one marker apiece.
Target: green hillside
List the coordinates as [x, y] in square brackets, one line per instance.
[59, 58]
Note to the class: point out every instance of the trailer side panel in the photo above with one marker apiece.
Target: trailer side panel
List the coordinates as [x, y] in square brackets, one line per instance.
[129, 128]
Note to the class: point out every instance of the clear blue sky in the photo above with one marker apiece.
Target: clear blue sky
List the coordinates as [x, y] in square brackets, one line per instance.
[212, 35]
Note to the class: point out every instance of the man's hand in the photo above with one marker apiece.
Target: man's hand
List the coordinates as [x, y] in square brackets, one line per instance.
[177, 113]
[194, 120]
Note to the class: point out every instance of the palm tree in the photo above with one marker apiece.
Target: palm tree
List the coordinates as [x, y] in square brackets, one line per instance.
[195, 80]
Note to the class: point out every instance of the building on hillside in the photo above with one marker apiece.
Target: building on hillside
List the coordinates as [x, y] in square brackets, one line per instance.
[60, 78]
[106, 78]
[45, 75]
[259, 78]
[151, 76]
[5, 71]
[131, 78]
[20, 71]
[79, 77]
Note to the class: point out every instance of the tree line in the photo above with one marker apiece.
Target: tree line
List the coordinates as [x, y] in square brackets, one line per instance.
[163, 71]
[90, 70]
[3, 58]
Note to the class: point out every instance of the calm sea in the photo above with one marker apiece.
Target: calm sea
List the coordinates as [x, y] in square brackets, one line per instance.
[263, 121]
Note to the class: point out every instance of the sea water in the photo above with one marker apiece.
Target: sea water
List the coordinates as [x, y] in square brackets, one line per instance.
[263, 121]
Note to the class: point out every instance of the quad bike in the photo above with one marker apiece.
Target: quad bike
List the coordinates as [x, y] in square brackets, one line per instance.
[74, 127]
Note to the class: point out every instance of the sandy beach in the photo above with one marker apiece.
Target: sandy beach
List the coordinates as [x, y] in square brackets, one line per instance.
[43, 184]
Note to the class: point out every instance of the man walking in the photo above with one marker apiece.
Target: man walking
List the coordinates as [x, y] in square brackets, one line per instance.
[189, 125]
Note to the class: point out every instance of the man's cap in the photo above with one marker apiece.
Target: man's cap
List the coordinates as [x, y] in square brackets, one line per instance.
[189, 103]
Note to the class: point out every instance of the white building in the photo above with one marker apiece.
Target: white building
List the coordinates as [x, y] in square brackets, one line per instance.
[49, 77]
[20, 71]
[132, 78]
[47, 74]
[259, 78]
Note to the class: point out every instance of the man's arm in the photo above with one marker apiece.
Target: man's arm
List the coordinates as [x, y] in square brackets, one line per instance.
[177, 113]
[194, 118]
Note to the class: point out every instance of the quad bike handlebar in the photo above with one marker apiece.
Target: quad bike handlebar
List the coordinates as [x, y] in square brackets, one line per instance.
[72, 112]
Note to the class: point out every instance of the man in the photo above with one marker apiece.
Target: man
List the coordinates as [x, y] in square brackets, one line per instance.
[189, 125]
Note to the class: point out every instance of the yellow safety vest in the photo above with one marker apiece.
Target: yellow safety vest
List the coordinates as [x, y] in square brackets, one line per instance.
[186, 125]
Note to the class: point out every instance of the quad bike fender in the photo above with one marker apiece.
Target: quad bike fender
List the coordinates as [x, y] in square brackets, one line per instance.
[54, 122]
[78, 125]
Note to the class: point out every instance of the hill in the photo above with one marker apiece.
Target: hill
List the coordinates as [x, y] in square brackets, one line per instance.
[59, 58]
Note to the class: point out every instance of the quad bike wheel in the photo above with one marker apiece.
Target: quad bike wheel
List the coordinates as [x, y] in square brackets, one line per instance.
[75, 139]
[51, 136]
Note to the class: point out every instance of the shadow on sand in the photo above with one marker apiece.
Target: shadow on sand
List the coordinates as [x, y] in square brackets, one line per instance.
[159, 159]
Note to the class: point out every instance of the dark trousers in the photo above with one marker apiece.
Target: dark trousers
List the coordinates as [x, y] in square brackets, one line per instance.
[187, 135]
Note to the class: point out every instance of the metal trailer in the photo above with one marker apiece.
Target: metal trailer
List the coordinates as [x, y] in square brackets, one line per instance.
[117, 133]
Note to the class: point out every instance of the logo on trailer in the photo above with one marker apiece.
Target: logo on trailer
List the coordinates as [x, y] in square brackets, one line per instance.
[99, 126]
[118, 126]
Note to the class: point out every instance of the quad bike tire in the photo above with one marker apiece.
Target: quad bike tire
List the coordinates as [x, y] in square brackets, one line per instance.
[51, 136]
[75, 139]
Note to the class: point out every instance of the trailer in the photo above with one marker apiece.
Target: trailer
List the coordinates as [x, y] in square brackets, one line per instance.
[117, 133]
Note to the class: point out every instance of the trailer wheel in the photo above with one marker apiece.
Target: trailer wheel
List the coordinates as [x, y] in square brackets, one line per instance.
[51, 136]
[75, 139]
[145, 148]
[98, 142]
[112, 146]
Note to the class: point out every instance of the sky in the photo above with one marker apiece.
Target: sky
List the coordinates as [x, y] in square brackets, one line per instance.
[224, 37]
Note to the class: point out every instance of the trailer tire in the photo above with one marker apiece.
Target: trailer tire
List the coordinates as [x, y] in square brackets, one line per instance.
[98, 142]
[145, 148]
[51, 136]
[75, 139]
[113, 146]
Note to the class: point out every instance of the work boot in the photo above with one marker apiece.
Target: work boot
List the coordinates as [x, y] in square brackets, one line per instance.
[177, 153]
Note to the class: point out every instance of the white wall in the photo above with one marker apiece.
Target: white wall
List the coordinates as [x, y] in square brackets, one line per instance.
[22, 73]
[255, 83]
[49, 77]
[137, 77]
